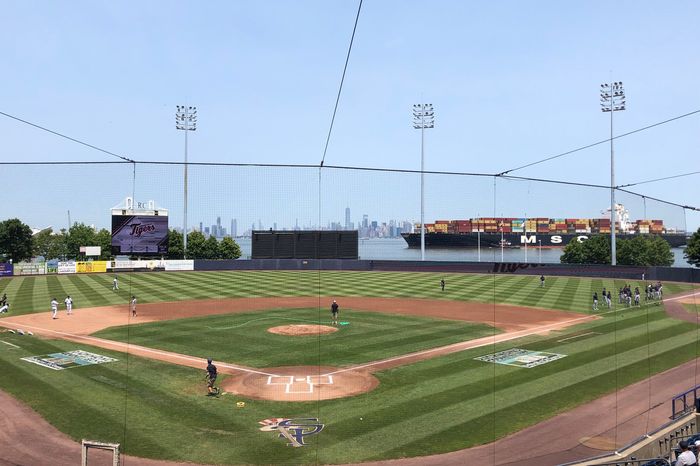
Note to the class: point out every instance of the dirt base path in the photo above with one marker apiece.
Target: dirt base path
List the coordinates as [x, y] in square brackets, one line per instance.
[297, 383]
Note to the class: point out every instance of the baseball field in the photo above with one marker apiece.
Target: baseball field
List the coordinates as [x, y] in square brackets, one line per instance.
[409, 371]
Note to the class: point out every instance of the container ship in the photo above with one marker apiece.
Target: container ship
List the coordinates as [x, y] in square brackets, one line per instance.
[492, 232]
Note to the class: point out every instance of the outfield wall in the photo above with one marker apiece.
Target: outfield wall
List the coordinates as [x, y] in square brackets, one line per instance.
[687, 275]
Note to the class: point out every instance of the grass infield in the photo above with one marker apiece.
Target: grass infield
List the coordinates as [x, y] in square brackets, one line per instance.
[433, 406]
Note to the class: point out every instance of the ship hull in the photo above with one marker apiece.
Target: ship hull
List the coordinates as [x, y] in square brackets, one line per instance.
[515, 240]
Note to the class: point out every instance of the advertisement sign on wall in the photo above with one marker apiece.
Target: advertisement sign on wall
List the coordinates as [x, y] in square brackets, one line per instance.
[66, 267]
[5, 269]
[179, 265]
[91, 267]
[139, 234]
[28, 268]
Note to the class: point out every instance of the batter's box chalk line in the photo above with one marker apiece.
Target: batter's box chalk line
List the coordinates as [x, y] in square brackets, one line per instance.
[299, 384]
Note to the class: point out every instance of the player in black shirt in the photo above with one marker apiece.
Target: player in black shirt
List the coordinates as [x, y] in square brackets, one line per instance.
[211, 378]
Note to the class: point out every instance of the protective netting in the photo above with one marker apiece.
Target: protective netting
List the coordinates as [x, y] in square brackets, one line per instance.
[467, 350]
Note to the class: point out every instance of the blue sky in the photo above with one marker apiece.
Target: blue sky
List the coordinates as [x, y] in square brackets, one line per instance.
[511, 82]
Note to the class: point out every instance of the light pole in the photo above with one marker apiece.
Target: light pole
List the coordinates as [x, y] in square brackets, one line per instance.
[423, 118]
[540, 241]
[186, 120]
[612, 99]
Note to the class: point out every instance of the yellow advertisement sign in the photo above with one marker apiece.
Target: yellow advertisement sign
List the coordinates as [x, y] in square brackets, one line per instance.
[91, 267]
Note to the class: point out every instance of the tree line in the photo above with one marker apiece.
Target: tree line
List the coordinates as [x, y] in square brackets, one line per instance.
[18, 244]
[642, 250]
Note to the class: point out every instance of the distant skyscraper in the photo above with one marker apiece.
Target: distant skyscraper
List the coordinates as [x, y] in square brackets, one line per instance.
[218, 227]
[365, 221]
[259, 224]
[201, 229]
[347, 218]
[234, 227]
[274, 226]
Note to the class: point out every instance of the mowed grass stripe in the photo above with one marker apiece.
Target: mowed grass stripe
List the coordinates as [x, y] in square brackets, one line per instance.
[513, 416]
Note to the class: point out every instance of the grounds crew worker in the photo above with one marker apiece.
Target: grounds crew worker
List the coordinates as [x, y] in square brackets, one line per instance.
[211, 378]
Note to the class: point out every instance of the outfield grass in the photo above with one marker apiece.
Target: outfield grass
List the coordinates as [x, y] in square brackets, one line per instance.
[33, 293]
[244, 338]
[432, 406]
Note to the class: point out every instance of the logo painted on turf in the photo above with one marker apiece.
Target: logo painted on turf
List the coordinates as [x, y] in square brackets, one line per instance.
[294, 430]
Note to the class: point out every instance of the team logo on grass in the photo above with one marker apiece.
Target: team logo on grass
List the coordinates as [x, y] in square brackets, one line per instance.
[521, 358]
[60, 361]
[294, 430]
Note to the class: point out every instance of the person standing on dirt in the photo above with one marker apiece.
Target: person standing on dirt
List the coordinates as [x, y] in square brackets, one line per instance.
[211, 378]
[334, 312]
[132, 304]
[442, 284]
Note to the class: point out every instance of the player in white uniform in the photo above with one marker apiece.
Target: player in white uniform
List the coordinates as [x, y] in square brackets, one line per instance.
[115, 284]
[54, 308]
[133, 306]
[69, 305]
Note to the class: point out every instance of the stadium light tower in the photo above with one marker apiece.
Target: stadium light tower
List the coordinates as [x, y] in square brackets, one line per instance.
[423, 118]
[186, 120]
[612, 99]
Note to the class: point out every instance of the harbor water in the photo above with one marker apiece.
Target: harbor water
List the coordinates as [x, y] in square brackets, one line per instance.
[396, 249]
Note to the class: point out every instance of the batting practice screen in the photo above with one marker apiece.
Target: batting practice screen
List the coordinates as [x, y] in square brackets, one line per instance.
[304, 245]
[139, 234]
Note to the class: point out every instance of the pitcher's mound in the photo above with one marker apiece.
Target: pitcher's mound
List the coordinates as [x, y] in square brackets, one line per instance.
[301, 329]
[301, 383]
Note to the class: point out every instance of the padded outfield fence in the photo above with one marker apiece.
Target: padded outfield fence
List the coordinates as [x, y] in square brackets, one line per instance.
[410, 367]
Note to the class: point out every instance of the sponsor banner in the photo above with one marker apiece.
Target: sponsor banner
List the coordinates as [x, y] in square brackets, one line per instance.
[139, 234]
[185, 264]
[68, 360]
[90, 267]
[521, 358]
[66, 267]
[26, 268]
[5, 269]
[152, 264]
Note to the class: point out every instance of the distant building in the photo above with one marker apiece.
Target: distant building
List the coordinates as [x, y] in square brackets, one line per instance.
[347, 218]
[234, 227]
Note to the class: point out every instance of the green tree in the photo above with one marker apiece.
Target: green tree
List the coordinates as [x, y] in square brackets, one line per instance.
[211, 248]
[175, 245]
[43, 244]
[644, 250]
[103, 239]
[229, 249]
[595, 250]
[573, 253]
[15, 240]
[195, 245]
[692, 250]
[79, 234]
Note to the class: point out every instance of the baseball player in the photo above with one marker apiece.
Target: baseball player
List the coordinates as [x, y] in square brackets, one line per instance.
[334, 312]
[115, 284]
[211, 378]
[442, 284]
[69, 305]
[542, 281]
[4, 305]
[595, 301]
[132, 305]
[54, 308]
